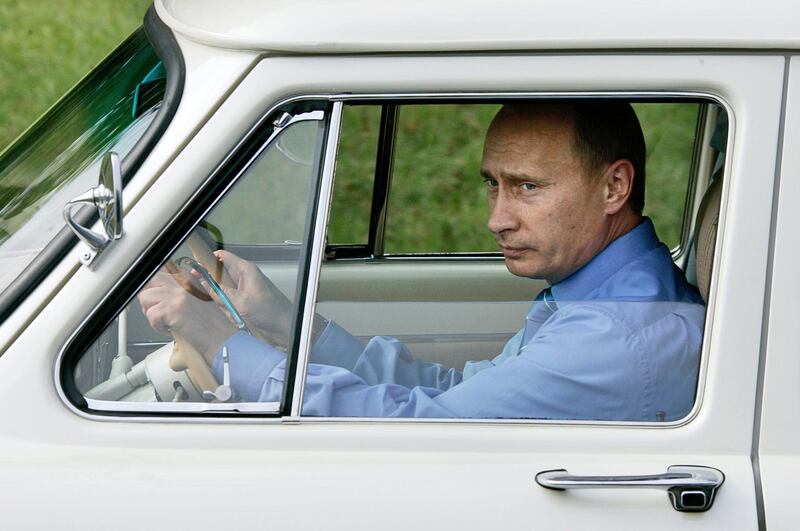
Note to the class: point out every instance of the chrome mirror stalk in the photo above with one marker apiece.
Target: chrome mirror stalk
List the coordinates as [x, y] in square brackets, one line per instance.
[106, 197]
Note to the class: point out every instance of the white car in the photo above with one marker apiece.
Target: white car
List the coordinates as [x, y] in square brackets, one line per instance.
[297, 136]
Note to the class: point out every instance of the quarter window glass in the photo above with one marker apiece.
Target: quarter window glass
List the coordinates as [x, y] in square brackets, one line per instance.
[168, 349]
[59, 157]
[269, 207]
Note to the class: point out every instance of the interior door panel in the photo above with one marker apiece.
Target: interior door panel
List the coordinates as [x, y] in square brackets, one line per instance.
[445, 311]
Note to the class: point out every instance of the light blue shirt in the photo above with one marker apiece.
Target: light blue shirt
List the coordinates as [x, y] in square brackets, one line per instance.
[617, 340]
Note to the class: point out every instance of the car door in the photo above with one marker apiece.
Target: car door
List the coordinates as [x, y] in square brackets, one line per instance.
[276, 467]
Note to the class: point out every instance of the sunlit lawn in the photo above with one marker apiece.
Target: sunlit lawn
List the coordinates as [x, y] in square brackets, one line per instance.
[46, 46]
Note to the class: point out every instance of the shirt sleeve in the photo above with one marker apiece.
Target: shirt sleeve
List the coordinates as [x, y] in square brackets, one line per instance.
[250, 362]
[580, 365]
[382, 360]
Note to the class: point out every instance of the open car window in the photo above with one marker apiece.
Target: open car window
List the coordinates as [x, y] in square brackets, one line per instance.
[426, 323]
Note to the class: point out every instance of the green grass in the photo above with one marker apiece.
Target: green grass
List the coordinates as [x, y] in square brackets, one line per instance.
[47, 46]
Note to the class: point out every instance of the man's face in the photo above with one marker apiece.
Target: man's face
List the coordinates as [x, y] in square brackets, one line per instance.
[547, 216]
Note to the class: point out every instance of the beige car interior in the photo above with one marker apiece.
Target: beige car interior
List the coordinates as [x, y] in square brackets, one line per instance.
[706, 235]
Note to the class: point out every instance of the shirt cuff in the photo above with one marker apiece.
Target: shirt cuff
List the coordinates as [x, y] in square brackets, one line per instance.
[250, 362]
[336, 347]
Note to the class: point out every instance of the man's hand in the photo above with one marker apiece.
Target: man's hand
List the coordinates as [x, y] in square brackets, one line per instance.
[265, 309]
[171, 309]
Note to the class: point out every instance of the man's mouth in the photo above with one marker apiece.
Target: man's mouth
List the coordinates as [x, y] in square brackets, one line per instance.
[512, 252]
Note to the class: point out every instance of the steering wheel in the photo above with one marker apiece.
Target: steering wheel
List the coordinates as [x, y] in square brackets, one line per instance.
[184, 356]
[176, 369]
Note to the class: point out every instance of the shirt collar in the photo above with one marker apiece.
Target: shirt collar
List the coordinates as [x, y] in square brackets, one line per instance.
[617, 254]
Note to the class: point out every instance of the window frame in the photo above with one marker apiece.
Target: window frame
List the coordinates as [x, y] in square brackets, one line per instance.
[212, 191]
[378, 215]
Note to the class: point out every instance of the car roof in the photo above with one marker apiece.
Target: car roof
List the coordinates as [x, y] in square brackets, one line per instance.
[375, 26]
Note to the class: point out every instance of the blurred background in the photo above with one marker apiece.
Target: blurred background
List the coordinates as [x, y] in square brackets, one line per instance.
[46, 46]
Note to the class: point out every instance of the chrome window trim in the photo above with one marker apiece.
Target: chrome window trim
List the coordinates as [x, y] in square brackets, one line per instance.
[344, 97]
[317, 254]
[184, 407]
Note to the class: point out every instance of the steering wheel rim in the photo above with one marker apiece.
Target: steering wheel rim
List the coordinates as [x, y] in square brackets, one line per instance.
[184, 356]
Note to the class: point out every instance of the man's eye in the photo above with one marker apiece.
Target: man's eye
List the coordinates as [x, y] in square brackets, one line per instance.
[490, 183]
[528, 186]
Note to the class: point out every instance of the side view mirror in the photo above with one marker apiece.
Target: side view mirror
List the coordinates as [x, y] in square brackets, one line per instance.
[106, 197]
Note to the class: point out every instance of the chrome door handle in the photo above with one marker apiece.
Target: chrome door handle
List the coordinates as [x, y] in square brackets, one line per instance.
[690, 488]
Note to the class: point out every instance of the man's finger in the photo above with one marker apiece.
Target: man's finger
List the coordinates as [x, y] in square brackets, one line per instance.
[231, 293]
[186, 280]
[236, 267]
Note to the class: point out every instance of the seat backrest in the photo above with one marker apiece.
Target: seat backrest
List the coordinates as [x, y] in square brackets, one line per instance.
[706, 235]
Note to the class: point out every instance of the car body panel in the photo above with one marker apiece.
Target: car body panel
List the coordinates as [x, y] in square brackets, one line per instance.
[349, 26]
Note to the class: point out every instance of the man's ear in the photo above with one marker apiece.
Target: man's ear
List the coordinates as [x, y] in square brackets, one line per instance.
[618, 184]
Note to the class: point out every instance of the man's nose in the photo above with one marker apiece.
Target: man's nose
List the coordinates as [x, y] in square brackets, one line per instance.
[501, 214]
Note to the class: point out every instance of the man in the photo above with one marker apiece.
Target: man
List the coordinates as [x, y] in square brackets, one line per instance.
[616, 336]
